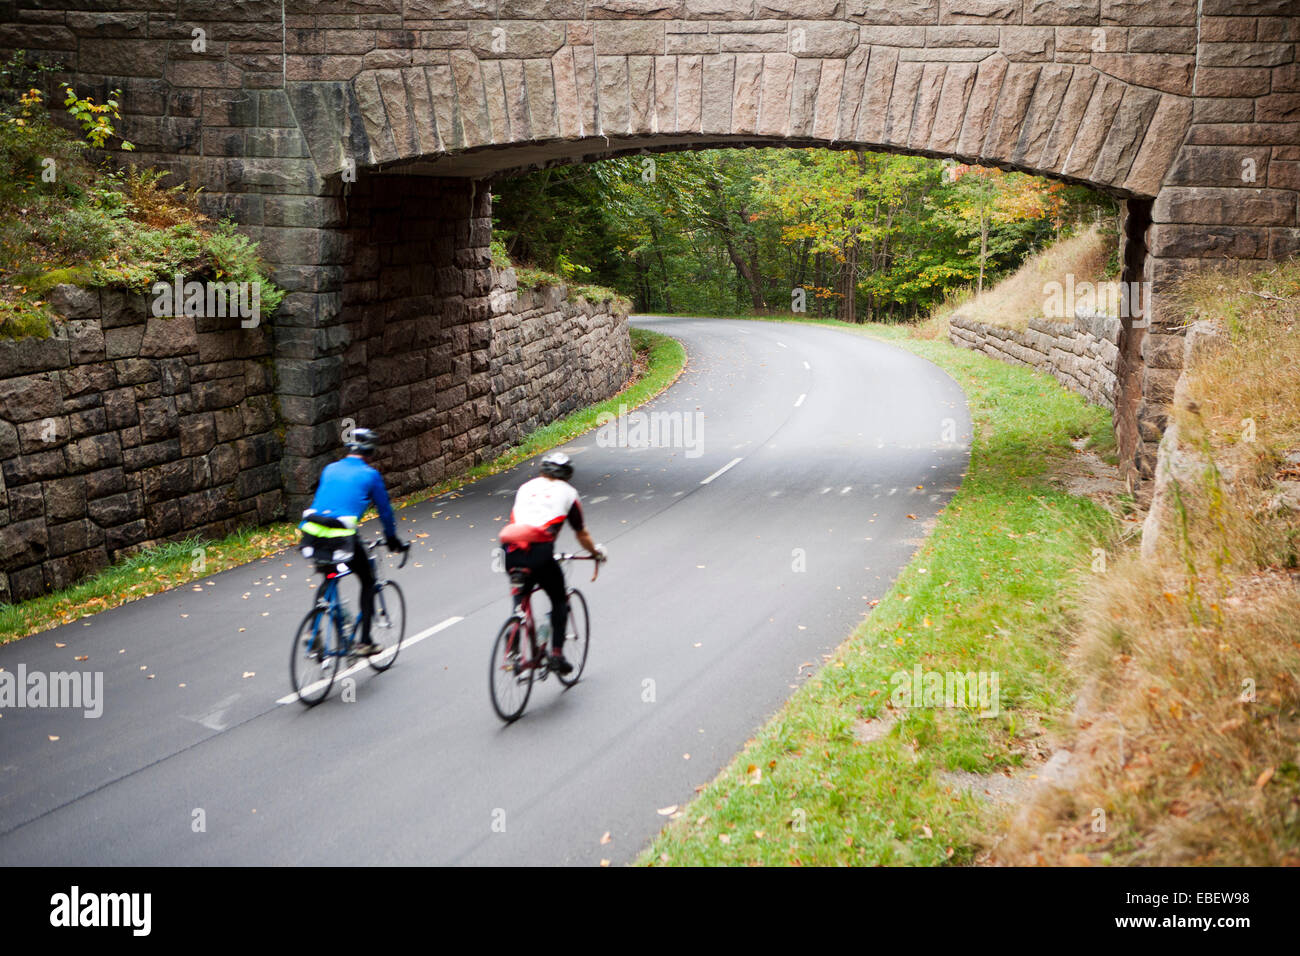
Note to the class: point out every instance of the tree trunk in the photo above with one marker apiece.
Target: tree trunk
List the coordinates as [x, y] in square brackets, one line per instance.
[846, 286]
[663, 268]
[984, 249]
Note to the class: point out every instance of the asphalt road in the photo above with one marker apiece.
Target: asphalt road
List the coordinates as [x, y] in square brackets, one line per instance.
[724, 590]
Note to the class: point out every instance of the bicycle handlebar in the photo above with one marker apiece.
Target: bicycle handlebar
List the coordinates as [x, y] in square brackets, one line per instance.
[598, 559]
[406, 552]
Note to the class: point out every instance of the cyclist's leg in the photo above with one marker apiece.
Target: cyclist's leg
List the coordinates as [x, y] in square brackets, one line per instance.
[550, 578]
[365, 573]
[518, 568]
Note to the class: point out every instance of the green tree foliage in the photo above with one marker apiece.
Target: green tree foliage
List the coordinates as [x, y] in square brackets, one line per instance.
[854, 234]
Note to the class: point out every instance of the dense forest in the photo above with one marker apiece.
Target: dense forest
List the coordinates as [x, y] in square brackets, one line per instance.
[862, 236]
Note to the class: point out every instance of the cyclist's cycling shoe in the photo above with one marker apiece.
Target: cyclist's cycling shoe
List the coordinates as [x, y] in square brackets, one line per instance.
[557, 663]
[366, 649]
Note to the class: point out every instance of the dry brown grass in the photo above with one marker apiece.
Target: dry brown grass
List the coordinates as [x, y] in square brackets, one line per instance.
[158, 206]
[1187, 728]
[1022, 296]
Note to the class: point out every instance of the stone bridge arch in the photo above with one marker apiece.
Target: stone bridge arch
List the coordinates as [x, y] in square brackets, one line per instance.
[354, 138]
[590, 89]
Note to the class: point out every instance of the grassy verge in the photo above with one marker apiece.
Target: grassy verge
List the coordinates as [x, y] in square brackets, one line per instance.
[659, 360]
[1186, 743]
[846, 773]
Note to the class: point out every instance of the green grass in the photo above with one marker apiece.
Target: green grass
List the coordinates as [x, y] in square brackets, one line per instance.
[989, 591]
[175, 563]
[528, 277]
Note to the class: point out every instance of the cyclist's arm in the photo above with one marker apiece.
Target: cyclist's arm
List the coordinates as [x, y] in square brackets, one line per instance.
[379, 495]
[580, 528]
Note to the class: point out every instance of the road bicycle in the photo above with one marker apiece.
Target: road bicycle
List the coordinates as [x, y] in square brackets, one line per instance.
[328, 633]
[520, 656]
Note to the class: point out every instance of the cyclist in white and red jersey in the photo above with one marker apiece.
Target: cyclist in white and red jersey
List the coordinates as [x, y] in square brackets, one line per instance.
[542, 506]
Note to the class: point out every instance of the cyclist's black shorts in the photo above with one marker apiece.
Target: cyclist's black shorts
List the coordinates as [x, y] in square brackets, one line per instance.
[543, 572]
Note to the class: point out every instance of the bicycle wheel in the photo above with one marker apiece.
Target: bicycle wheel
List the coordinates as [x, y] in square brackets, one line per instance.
[510, 676]
[313, 660]
[388, 625]
[577, 634]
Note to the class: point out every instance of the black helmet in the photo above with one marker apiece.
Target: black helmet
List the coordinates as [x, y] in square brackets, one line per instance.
[362, 440]
[558, 465]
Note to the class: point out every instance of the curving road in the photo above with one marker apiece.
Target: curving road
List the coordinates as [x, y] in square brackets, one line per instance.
[737, 560]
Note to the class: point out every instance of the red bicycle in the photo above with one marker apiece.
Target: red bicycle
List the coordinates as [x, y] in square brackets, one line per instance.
[519, 657]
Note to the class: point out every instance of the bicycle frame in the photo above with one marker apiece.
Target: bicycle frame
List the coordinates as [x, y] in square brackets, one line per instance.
[328, 599]
[537, 652]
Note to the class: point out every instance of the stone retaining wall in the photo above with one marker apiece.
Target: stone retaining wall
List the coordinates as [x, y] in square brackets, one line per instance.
[551, 356]
[437, 349]
[1082, 354]
[122, 429]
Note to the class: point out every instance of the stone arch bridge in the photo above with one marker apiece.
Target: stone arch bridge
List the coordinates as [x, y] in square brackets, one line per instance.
[355, 139]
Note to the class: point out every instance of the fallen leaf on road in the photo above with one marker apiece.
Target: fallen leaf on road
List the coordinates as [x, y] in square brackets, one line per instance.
[52, 737]
[604, 862]
[665, 811]
[605, 838]
[83, 657]
[248, 674]
[57, 644]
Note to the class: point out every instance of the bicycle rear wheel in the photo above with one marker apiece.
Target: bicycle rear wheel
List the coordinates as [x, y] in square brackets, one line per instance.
[313, 660]
[510, 675]
[577, 633]
[388, 625]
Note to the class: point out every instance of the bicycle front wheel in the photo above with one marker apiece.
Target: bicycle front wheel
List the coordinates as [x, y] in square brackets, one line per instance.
[388, 625]
[577, 634]
[313, 660]
[510, 676]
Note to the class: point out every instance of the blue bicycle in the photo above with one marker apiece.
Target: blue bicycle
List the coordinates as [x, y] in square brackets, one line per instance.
[328, 633]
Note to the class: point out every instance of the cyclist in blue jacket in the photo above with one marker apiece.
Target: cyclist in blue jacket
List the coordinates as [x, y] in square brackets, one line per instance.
[347, 487]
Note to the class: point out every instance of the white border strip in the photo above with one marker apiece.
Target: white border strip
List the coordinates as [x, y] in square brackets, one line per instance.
[725, 468]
